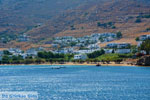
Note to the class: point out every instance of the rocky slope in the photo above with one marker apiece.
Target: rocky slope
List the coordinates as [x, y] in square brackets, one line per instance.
[73, 17]
[84, 19]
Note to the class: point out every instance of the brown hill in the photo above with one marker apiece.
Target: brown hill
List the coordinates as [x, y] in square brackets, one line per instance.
[18, 16]
[74, 18]
[123, 13]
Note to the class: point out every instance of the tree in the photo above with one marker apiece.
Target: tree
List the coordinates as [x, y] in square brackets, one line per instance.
[45, 55]
[73, 44]
[137, 39]
[6, 52]
[98, 24]
[110, 23]
[101, 39]
[113, 51]
[146, 16]
[146, 46]
[39, 61]
[72, 27]
[138, 20]
[119, 35]
[96, 54]
[29, 61]
[148, 29]
[113, 27]
[5, 60]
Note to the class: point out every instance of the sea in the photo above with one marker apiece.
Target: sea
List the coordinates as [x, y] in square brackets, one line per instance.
[71, 82]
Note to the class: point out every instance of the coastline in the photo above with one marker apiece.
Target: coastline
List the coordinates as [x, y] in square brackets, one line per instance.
[71, 63]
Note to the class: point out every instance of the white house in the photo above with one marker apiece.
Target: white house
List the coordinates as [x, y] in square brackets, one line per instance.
[64, 51]
[144, 37]
[24, 55]
[139, 43]
[118, 45]
[123, 45]
[1, 53]
[32, 51]
[83, 51]
[123, 51]
[109, 39]
[15, 50]
[107, 51]
[112, 45]
[94, 46]
[23, 38]
[80, 57]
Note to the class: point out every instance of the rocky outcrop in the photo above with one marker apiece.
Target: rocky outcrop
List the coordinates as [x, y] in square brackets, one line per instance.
[144, 61]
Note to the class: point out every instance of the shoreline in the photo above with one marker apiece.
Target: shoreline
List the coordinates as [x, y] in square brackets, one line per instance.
[81, 64]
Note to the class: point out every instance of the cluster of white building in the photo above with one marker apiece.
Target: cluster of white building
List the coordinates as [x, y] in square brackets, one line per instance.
[144, 37]
[18, 52]
[121, 48]
[73, 51]
[23, 38]
[89, 43]
[84, 41]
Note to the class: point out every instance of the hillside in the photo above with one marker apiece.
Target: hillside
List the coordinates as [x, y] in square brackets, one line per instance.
[84, 19]
[74, 18]
[18, 16]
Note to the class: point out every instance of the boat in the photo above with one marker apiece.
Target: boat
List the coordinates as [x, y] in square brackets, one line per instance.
[58, 67]
[55, 68]
[62, 67]
[98, 65]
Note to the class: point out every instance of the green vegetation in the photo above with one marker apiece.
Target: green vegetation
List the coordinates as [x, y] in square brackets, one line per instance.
[109, 57]
[119, 35]
[106, 25]
[12, 59]
[96, 54]
[82, 27]
[144, 16]
[148, 29]
[6, 52]
[42, 57]
[98, 24]
[72, 27]
[83, 48]
[5, 38]
[134, 49]
[49, 55]
[114, 57]
[138, 20]
[73, 44]
[146, 46]
[101, 39]
[137, 39]
[130, 17]
[85, 14]
[113, 27]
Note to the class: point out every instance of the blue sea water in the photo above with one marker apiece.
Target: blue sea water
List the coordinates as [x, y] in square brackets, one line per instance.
[78, 82]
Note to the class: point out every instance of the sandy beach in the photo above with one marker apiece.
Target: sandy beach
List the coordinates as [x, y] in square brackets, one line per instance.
[94, 64]
[85, 63]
